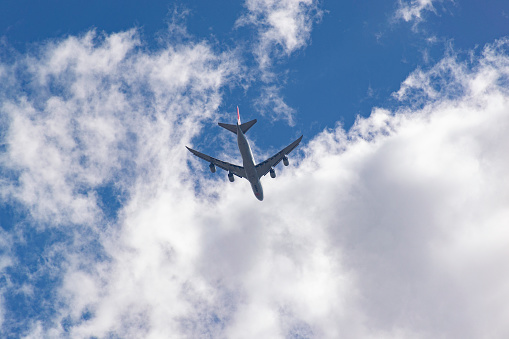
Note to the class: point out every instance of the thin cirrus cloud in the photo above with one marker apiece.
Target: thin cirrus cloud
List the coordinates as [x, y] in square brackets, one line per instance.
[414, 10]
[270, 103]
[281, 28]
[395, 228]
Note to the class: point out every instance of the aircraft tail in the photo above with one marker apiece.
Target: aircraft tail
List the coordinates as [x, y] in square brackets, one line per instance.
[243, 127]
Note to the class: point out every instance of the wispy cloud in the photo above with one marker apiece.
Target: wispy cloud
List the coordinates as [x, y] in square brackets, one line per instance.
[6, 261]
[77, 124]
[282, 27]
[271, 103]
[409, 10]
[415, 11]
[80, 115]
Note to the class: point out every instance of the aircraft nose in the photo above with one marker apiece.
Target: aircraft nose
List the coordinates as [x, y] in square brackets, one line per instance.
[259, 195]
[257, 190]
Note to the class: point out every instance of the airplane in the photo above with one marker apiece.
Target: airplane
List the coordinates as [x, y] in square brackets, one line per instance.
[250, 171]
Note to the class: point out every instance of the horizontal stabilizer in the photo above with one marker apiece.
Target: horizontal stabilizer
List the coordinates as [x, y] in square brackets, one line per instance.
[247, 125]
[231, 128]
[244, 127]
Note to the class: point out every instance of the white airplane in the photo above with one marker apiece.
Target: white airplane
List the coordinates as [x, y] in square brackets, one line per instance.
[250, 171]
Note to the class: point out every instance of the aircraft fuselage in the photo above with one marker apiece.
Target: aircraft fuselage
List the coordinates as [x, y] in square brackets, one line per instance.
[249, 170]
[249, 164]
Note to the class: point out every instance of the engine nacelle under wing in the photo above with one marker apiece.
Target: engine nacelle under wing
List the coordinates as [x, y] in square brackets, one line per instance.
[212, 168]
[230, 177]
[285, 161]
[272, 173]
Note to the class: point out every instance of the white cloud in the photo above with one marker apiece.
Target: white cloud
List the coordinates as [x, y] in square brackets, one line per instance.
[282, 27]
[409, 10]
[90, 111]
[5, 261]
[284, 24]
[271, 104]
[91, 100]
[396, 228]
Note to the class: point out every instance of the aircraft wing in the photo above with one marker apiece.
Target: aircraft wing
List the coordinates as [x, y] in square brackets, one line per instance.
[237, 170]
[264, 167]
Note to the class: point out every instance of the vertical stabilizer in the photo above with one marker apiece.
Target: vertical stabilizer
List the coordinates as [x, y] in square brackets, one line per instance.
[243, 127]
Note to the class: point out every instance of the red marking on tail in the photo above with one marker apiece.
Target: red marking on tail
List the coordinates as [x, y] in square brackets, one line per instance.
[238, 115]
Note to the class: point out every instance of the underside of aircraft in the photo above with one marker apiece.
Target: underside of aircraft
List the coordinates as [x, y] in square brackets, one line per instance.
[249, 170]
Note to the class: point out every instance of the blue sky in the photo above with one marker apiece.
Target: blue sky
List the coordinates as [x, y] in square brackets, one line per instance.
[390, 222]
[359, 65]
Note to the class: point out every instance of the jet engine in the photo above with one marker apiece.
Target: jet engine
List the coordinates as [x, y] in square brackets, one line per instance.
[285, 161]
[272, 173]
[230, 177]
[212, 168]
